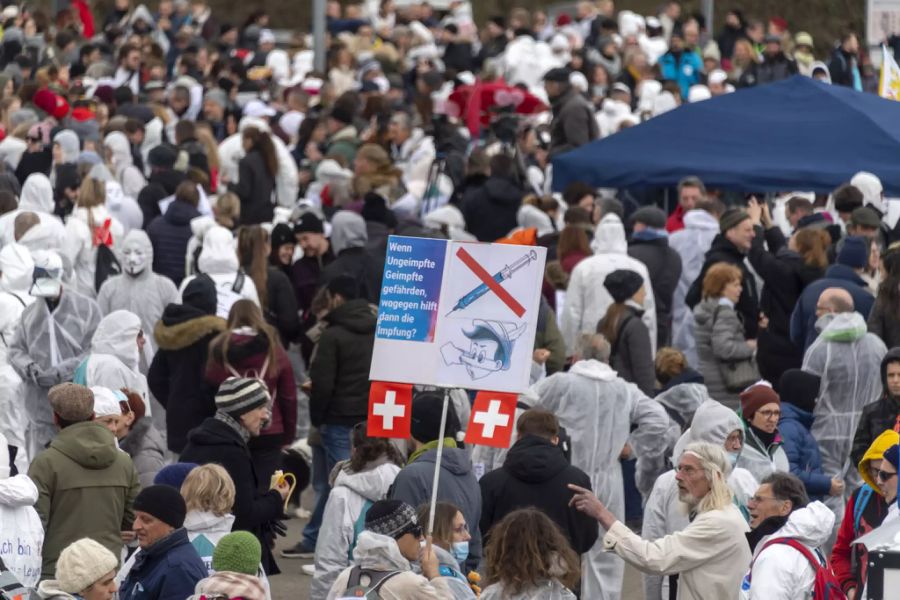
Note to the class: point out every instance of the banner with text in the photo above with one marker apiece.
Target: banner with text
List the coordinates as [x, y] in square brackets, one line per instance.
[458, 314]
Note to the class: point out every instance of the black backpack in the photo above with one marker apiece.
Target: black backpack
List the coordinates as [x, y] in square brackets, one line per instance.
[366, 583]
[107, 264]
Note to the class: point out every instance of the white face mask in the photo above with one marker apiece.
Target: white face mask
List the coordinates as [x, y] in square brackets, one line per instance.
[733, 458]
[135, 261]
[46, 288]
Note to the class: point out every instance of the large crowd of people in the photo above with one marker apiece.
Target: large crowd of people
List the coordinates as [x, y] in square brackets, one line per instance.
[193, 229]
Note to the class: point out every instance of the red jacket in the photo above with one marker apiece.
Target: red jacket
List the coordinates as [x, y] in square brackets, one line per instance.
[848, 561]
[675, 221]
[87, 18]
[246, 355]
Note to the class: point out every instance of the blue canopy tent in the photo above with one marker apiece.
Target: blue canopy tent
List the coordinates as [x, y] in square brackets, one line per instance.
[796, 134]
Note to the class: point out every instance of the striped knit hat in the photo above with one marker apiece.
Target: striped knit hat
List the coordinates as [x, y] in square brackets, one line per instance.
[239, 395]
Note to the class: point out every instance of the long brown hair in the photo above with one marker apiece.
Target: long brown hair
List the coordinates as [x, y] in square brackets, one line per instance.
[527, 549]
[262, 142]
[254, 258]
[812, 244]
[611, 322]
[245, 313]
[572, 239]
[444, 513]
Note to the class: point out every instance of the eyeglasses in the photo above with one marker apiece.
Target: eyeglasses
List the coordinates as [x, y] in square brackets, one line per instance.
[686, 469]
[884, 475]
[464, 528]
[768, 414]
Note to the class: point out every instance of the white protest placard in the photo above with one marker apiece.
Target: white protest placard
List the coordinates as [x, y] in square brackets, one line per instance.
[458, 314]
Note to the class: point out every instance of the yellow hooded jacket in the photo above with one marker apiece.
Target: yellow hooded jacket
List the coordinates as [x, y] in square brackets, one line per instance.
[876, 452]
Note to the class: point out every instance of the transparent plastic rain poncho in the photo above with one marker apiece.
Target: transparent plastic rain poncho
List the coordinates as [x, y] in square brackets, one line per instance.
[114, 359]
[848, 359]
[46, 350]
[663, 514]
[16, 268]
[598, 409]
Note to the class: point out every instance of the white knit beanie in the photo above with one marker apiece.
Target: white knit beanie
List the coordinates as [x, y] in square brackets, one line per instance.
[81, 564]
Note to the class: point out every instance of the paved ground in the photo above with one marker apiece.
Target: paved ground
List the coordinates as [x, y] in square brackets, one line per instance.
[292, 584]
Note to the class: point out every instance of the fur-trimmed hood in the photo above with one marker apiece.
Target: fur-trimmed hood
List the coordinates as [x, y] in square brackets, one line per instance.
[181, 335]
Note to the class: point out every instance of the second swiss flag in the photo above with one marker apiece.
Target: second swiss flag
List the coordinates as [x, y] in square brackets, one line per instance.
[390, 410]
[492, 420]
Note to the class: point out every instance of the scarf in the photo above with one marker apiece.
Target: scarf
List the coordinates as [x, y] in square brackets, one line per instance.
[448, 443]
[766, 438]
[234, 424]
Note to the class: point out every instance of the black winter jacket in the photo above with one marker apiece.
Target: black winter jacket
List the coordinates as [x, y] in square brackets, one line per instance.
[281, 312]
[340, 366]
[879, 416]
[785, 276]
[176, 373]
[631, 355]
[664, 267]
[536, 473]
[490, 210]
[360, 264]
[161, 185]
[217, 442]
[255, 188]
[747, 306]
[170, 234]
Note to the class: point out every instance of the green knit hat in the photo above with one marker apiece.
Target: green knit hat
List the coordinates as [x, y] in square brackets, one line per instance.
[238, 552]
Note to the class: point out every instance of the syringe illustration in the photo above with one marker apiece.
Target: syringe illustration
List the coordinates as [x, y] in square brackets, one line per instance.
[500, 276]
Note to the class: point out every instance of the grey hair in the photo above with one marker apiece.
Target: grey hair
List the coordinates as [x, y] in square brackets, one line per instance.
[715, 466]
[593, 346]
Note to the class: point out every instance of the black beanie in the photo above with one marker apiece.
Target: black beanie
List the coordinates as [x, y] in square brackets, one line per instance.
[281, 234]
[800, 388]
[392, 518]
[163, 502]
[163, 156]
[622, 284]
[200, 293]
[425, 423]
[375, 210]
[345, 286]
[309, 223]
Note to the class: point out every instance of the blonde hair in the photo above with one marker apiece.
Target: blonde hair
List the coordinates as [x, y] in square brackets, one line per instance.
[209, 488]
[91, 193]
[716, 468]
[228, 210]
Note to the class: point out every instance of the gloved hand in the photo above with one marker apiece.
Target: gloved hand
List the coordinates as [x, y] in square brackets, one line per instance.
[279, 528]
[48, 378]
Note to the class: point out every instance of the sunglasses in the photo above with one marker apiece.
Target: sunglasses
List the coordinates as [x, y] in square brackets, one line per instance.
[884, 475]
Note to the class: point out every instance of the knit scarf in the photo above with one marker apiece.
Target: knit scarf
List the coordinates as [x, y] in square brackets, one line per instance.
[234, 424]
[448, 443]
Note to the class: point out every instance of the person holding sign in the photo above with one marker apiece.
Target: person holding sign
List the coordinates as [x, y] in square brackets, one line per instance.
[381, 561]
[458, 484]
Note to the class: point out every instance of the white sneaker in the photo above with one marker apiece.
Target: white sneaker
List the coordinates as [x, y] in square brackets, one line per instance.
[302, 513]
[308, 570]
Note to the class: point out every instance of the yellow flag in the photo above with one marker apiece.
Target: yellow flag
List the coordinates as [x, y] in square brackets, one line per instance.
[889, 82]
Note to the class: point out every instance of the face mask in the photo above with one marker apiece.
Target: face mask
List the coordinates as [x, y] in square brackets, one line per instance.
[460, 551]
[733, 458]
[135, 262]
[46, 288]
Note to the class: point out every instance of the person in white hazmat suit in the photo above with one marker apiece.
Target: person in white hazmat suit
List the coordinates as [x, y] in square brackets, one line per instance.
[36, 197]
[713, 423]
[138, 289]
[52, 339]
[586, 300]
[848, 359]
[22, 533]
[218, 259]
[114, 359]
[16, 269]
[599, 409]
[781, 572]
[121, 206]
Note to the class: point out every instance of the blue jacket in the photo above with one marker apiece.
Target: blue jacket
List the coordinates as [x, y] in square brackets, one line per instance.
[802, 450]
[167, 570]
[169, 234]
[684, 70]
[803, 319]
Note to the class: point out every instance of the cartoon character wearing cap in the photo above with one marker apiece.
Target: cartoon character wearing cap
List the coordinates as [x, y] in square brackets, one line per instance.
[490, 347]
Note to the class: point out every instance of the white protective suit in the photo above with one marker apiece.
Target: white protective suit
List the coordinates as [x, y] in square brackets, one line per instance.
[79, 249]
[587, 298]
[348, 495]
[120, 205]
[16, 268]
[231, 151]
[848, 359]
[22, 536]
[781, 572]
[138, 289]
[36, 197]
[219, 260]
[46, 350]
[598, 409]
[121, 164]
[683, 399]
[663, 513]
[114, 360]
[691, 243]
[526, 60]
[414, 157]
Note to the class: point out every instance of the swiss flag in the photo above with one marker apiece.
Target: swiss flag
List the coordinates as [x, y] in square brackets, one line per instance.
[390, 410]
[493, 418]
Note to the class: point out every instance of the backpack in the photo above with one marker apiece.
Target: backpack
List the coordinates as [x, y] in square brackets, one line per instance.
[10, 588]
[366, 583]
[358, 527]
[825, 586]
[107, 264]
